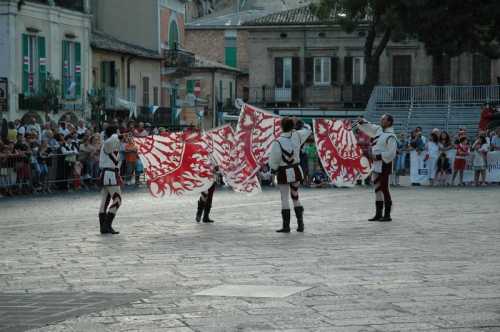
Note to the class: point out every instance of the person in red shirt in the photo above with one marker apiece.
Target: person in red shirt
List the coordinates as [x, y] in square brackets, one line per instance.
[487, 114]
[463, 151]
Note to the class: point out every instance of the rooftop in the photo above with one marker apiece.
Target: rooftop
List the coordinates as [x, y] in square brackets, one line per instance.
[103, 41]
[249, 11]
[296, 16]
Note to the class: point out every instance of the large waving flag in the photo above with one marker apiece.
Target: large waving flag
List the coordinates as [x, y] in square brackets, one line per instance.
[339, 152]
[257, 130]
[175, 163]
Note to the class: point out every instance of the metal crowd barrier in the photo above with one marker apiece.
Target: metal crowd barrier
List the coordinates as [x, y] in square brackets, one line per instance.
[23, 174]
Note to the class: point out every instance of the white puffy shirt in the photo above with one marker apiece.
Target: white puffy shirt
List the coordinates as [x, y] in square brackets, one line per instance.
[291, 141]
[110, 146]
[385, 143]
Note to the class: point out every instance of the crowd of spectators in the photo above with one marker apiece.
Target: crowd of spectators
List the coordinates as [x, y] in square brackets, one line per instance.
[61, 156]
[65, 156]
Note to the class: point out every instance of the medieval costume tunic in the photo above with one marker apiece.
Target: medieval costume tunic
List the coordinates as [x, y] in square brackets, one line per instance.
[284, 161]
[384, 148]
[109, 163]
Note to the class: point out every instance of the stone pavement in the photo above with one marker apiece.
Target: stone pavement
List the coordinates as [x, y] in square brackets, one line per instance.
[436, 267]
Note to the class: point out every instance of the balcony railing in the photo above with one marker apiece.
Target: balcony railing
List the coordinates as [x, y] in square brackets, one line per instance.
[177, 62]
[76, 5]
[344, 96]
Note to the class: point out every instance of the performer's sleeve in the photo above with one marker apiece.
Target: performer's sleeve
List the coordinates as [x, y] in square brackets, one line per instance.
[110, 143]
[275, 156]
[390, 153]
[304, 133]
[369, 129]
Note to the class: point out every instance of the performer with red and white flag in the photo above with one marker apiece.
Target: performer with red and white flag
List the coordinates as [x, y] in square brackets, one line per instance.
[284, 160]
[109, 163]
[205, 202]
[384, 147]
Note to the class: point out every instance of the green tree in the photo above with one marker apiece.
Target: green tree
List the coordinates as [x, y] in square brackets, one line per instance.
[380, 19]
[449, 27]
[454, 27]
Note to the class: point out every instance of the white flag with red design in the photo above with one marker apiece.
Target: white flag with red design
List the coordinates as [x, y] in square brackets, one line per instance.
[339, 152]
[221, 144]
[175, 163]
[257, 130]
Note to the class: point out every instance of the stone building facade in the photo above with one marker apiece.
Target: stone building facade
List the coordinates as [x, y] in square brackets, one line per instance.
[42, 39]
[297, 61]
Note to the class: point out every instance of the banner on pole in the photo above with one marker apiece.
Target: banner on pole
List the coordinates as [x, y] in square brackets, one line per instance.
[339, 152]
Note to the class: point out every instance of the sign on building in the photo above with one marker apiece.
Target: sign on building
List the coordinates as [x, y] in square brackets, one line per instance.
[4, 94]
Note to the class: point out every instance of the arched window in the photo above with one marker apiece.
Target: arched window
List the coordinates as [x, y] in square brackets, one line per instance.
[173, 35]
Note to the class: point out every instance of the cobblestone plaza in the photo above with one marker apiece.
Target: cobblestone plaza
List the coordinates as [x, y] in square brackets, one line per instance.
[435, 267]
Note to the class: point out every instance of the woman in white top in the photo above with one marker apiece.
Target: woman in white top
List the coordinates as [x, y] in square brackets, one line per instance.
[284, 160]
[480, 148]
[432, 149]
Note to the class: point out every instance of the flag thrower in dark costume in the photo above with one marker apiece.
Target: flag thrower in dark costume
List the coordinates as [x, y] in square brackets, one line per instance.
[384, 146]
[206, 197]
[284, 160]
[109, 163]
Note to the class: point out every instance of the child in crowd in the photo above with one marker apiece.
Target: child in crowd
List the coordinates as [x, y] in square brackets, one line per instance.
[266, 178]
[463, 151]
[443, 170]
[480, 148]
[400, 162]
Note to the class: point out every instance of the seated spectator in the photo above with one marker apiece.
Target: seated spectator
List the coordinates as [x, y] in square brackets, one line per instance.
[63, 130]
[265, 176]
[319, 180]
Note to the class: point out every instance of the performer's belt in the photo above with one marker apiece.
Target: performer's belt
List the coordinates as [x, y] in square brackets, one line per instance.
[111, 169]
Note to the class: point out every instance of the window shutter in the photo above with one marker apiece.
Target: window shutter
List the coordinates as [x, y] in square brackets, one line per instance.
[348, 70]
[190, 86]
[278, 72]
[78, 70]
[42, 68]
[26, 65]
[334, 67]
[112, 74]
[296, 78]
[231, 90]
[309, 70]
[65, 71]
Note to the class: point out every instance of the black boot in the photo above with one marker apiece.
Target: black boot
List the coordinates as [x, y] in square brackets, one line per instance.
[206, 213]
[109, 222]
[285, 214]
[103, 223]
[387, 212]
[299, 213]
[379, 206]
[199, 212]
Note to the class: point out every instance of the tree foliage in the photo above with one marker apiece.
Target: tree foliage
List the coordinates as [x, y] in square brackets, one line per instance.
[449, 27]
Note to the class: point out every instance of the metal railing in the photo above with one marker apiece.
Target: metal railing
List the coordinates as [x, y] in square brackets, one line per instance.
[437, 95]
[351, 96]
[23, 174]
